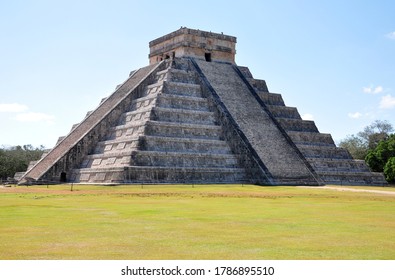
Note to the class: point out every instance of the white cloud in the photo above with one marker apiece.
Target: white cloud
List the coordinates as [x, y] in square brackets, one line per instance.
[373, 90]
[307, 117]
[391, 35]
[378, 89]
[35, 117]
[23, 114]
[355, 115]
[12, 107]
[387, 102]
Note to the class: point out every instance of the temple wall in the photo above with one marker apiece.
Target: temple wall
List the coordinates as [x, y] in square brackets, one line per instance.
[187, 42]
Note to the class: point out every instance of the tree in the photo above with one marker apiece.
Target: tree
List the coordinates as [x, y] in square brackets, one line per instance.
[368, 139]
[382, 158]
[374, 133]
[389, 170]
[355, 145]
[16, 159]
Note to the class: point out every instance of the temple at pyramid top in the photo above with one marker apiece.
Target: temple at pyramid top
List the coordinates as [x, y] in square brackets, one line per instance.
[187, 42]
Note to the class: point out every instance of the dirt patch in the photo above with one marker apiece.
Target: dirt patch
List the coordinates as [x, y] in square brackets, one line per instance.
[344, 189]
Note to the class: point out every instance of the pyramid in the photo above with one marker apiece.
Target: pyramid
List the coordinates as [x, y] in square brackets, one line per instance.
[194, 116]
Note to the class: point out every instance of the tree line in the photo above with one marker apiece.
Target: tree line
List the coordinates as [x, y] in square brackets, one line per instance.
[17, 159]
[376, 145]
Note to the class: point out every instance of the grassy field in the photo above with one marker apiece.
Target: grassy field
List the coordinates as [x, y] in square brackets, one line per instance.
[204, 222]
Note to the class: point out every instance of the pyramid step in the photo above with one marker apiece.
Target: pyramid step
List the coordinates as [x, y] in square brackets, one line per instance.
[183, 89]
[297, 125]
[19, 175]
[183, 116]
[172, 144]
[181, 64]
[141, 114]
[116, 142]
[311, 138]
[162, 75]
[324, 152]
[259, 85]
[182, 76]
[284, 112]
[182, 159]
[271, 98]
[128, 130]
[60, 139]
[117, 145]
[157, 128]
[155, 85]
[153, 89]
[295, 181]
[182, 102]
[98, 176]
[165, 71]
[353, 178]
[246, 72]
[109, 154]
[31, 164]
[144, 102]
[114, 159]
[340, 165]
[188, 175]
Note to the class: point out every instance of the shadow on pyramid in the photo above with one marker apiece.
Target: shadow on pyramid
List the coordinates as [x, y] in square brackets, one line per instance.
[194, 116]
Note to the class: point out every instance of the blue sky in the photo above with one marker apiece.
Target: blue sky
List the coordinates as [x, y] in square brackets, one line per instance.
[333, 60]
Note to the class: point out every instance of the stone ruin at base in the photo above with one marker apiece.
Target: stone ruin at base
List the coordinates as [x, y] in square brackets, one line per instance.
[194, 116]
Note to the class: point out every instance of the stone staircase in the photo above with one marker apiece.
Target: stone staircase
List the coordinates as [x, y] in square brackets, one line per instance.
[168, 135]
[334, 165]
[270, 146]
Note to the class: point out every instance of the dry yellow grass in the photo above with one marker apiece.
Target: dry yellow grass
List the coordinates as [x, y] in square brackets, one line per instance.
[204, 222]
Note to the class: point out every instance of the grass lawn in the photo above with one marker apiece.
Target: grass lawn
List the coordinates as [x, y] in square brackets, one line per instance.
[204, 222]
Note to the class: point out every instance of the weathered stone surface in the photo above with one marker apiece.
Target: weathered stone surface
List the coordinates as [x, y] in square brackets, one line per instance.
[334, 165]
[193, 43]
[69, 152]
[173, 142]
[196, 117]
[256, 124]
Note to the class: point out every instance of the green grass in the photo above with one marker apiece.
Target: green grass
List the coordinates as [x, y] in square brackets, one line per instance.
[204, 222]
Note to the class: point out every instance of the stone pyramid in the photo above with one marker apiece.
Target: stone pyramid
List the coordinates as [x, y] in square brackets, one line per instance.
[194, 116]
